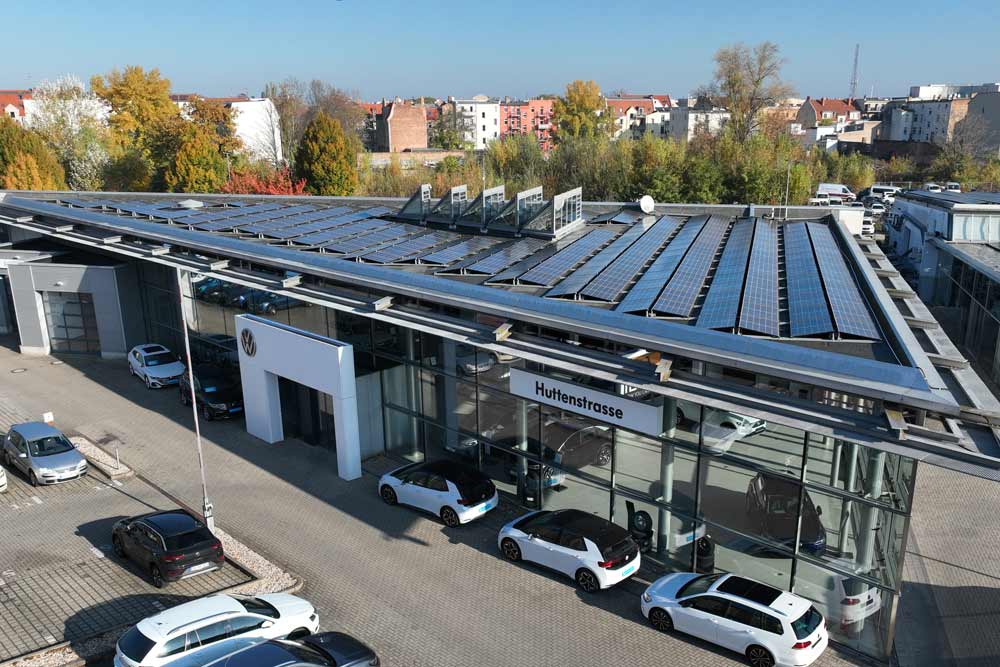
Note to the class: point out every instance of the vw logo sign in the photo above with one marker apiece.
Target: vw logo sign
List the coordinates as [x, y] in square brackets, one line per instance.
[248, 343]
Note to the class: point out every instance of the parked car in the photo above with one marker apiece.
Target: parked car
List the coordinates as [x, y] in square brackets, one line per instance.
[191, 627]
[883, 191]
[203, 286]
[721, 428]
[155, 365]
[843, 599]
[43, 454]
[326, 649]
[835, 191]
[767, 625]
[773, 509]
[3, 481]
[877, 208]
[455, 492]
[594, 552]
[168, 546]
[471, 361]
[217, 390]
[932, 187]
[568, 444]
[952, 186]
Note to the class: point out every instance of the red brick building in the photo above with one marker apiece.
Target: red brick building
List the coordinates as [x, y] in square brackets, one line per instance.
[526, 117]
[400, 126]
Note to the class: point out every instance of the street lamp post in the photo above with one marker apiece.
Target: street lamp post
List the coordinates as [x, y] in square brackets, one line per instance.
[206, 505]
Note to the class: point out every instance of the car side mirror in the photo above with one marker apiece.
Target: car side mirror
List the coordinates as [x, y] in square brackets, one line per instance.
[22, 455]
[532, 536]
[267, 624]
[686, 603]
[819, 511]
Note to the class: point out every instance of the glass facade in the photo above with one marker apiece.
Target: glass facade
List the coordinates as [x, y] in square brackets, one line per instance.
[71, 322]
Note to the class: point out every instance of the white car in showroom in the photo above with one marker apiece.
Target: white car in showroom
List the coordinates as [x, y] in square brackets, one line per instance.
[3, 481]
[722, 427]
[155, 365]
[455, 492]
[590, 550]
[769, 626]
[187, 628]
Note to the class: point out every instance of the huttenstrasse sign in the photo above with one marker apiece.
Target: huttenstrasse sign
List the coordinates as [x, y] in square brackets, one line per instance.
[599, 405]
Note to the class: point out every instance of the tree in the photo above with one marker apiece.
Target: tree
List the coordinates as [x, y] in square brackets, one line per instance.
[23, 174]
[339, 105]
[198, 167]
[264, 180]
[139, 101]
[748, 80]
[290, 109]
[217, 121]
[581, 112]
[325, 158]
[15, 141]
[445, 132]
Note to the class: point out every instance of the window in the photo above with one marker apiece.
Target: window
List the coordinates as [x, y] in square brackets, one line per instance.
[807, 623]
[418, 478]
[550, 534]
[71, 321]
[135, 645]
[215, 632]
[179, 644]
[242, 624]
[710, 605]
[571, 541]
[770, 624]
[742, 614]
[436, 483]
[255, 606]
[699, 585]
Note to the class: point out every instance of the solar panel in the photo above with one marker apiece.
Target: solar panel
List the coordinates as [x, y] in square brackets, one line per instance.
[807, 310]
[498, 261]
[679, 295]
[405, 250]
[723, 300]
[576, 280]
[760, 291]
[549, 270]
[613, 279]
[849, 311]
[357, 242]
[457, 251]
[293, 220]
[342, 231]
[641, 296]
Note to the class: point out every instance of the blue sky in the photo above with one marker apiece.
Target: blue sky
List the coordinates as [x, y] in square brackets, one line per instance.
[388, 47]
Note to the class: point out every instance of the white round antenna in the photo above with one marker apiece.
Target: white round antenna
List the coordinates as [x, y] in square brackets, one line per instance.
[646, 204]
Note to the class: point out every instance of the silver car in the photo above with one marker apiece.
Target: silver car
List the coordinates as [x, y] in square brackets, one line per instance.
[43, 454]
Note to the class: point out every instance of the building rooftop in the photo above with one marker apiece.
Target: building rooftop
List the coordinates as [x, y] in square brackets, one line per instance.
[989, 200]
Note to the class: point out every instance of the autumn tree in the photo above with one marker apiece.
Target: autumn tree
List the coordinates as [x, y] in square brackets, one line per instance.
[198, 166]
[325, 158]
[16, 143]
[581, 112]
[445, 132]
[217, 121]
[264, 180]
[138, 101]
[748, 80]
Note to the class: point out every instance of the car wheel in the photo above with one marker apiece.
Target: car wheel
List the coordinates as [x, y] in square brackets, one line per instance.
[450, 517]
[206, 413]
[298, 634]
[185, 400]
[146, 380]
[156, 577]
[131, 371]
[587, 581]
[32, 479]
[604, 457]
[116, 544]
[758, 656]
[510, 550]
[661, 620]
[680, 416]
[388, 495]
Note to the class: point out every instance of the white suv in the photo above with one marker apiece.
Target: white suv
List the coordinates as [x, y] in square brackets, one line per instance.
[192, 626]
[155, 365]
[767, 625]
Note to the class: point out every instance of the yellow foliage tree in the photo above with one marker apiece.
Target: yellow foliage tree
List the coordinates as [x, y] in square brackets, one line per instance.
[23, 174]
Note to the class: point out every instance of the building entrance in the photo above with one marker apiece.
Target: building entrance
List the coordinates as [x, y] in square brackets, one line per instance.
[306, 414]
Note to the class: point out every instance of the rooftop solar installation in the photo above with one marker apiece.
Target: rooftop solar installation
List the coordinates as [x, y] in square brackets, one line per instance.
[458, 251]
[640, 298]
[407, 249]
[722, 303]
[849, 311]
[546, 272]
[613, 279]
[499, 261]
[575, 281]
[682, 291]
[808, 314]
[371, 239]
[344, 231]
[760, 292]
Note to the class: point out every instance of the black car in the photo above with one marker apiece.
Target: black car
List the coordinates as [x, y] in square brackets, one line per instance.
[169, 545]
[773, 508]
[217, 390]
[323, 649]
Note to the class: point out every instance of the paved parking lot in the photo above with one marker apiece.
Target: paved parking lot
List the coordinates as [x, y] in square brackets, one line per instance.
[59, 579]
[419, 593]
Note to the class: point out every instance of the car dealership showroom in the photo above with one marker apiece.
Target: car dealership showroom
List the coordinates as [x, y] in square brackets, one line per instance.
[745, 389]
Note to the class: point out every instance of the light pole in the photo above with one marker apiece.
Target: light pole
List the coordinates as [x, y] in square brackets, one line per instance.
[206, 505]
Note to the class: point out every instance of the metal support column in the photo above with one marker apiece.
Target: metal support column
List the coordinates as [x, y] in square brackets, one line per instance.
[664, 545]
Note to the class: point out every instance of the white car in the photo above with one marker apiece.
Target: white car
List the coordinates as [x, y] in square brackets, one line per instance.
[722, 428]
[932, 187]
[952, 186]
[184, 629]
[877, 208]
[843, 599]
[155, 365]
[455, 492]
[769, 626]
[3, 481]
[590, 550]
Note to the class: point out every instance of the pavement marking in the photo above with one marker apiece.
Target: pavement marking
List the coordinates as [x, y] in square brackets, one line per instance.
[117, 483]
[36, 500]
[8, 574]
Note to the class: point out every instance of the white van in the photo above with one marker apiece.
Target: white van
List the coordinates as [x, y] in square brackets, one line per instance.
[932, 187]
[835, 191]
[952, 186]
[884, 192]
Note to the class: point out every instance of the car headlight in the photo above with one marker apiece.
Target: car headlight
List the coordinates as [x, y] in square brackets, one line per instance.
[646, 597]
[218, 406]
[45, 471]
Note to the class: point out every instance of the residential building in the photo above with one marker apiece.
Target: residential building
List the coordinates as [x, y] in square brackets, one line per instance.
[635, 115]
[478, 118]
[982, 119]
[871, 107]
[944, 91]
[12, 104]
[926, 121]
[257, 124]
[704, 117]
[400, 126]
[533, 116]
[575, 352]
[826, 111]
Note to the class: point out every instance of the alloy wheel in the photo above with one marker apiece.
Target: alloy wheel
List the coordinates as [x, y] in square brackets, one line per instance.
[660, 620]
[388, 495]
[156, 576]
[587, 582]
[510, 550]
[116, 544]
[604, 458]
[32, 479]
[760, 657]
[450, 517]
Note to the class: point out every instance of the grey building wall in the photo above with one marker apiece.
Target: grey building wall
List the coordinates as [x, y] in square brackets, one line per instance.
[130, 303]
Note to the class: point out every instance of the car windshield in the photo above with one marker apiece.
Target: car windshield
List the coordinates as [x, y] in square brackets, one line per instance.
[806, 624]
[309, 655]
[54, 444]
[782, 505]
[257, 606]
[135, 645]
[160, 359]
[698, 585]
[189, 539]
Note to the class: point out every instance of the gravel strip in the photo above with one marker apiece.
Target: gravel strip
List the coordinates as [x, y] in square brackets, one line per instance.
[100, 459]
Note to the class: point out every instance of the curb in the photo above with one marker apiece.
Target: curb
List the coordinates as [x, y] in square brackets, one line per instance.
[109, 466]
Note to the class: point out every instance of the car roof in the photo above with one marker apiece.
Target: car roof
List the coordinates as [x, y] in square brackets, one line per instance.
[599, 530]
[152, 349]
[172, 522]
[449, 469]
[773, 484]
[35, 430]
[162, 625]
[341, 647]
[760, 595]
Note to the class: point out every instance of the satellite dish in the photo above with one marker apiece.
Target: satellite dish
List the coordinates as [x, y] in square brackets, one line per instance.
[646, 204]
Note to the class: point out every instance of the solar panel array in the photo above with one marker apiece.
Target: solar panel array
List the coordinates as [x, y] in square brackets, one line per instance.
[640, 298]
[575, 281]
[408, 249]
[722, 304]
[807, 310]
[760, 291]
[849, 310]
[546, 272]
[613, 279]
[499, 261]
[294, 220]
[455, 252]
[353, 242]
[682, 291]
[342, 231]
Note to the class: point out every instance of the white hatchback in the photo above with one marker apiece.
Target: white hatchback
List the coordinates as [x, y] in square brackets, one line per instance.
[3, 480]
[155, 365]
[590, 550]
[769, 626]
[190, 627]
[455, 492]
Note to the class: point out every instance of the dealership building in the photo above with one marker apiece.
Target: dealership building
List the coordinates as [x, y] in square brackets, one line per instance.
[758, 377]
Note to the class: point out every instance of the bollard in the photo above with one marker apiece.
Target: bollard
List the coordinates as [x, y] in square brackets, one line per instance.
[118, 461]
